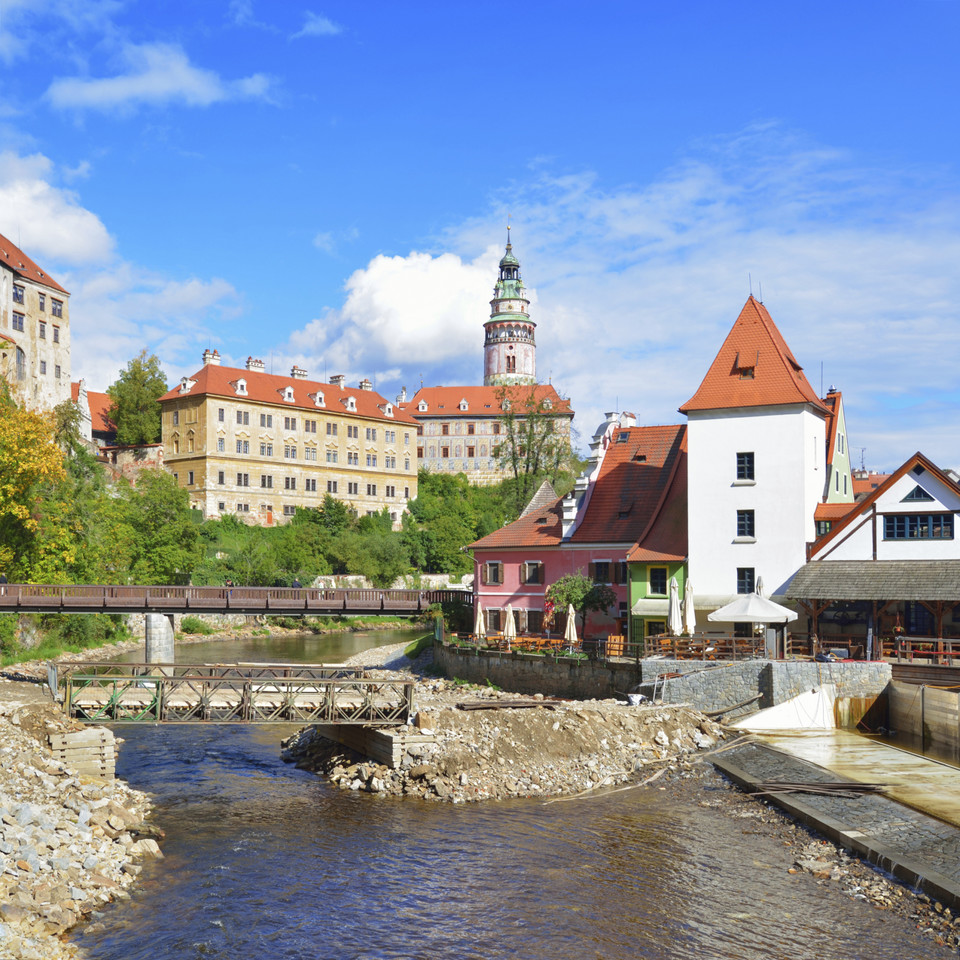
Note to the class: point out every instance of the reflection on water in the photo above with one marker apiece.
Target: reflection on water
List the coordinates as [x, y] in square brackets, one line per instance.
[265, 861]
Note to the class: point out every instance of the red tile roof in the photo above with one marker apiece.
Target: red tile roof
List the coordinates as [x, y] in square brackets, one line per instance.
[754, 368]
[483, 401]
[13, 257]
[634, 477]
[100, 404]
[833, 511]
[666, 539]
[538, 528]
[219, 381]
[867, 484]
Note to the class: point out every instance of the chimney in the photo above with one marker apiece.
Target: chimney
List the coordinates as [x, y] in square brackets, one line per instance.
[337, 381]
[298, 373]
[402, 396]
[254, 364]
[628, 419]
[208, 356]
[365, 384]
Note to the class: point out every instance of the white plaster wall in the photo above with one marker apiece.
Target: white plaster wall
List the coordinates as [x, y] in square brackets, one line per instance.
[789, 451]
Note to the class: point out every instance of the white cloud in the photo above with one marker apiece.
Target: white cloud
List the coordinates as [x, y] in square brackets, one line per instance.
[316, 25]
[32, 27]
[638, 285]
[155, 74]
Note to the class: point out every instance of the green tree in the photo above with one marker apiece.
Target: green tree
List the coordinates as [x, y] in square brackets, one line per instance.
[582, 593]
[134, 408]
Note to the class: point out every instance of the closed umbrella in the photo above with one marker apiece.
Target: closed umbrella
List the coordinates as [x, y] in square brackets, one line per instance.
[758, 588]
[570, 634]
[689, 614]
[674, 619]
[480, 628]
[510, 626]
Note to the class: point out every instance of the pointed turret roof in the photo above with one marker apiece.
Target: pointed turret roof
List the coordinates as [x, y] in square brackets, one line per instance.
[754, 368]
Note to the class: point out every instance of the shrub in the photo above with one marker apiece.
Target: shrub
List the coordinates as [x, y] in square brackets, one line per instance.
[193, 624]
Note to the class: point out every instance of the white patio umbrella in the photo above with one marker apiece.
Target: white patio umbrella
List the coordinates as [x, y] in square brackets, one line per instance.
[480, 628]
[689, 614]
[570, 634]
[510, 626]
[752, 608]
[674, 619]
[758, 588]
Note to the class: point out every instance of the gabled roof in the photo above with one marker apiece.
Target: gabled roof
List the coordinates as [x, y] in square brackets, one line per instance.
[861, 506]
[634, 476]
[833, 401]
[665, 540]
[754, 368]
[536, 528]
[100, 404]
[483, 401]
[544, 496]
[215, 380]
[14, 258]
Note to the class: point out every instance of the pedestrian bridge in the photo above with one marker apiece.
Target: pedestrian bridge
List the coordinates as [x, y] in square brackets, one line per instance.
[290, 601]
[229, 693]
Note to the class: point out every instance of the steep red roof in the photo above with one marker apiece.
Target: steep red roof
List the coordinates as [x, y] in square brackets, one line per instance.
[666, 538]
[634, 476]
[538, 528]
[483, 401]
[219, 381]
[833, 511]
[754, 368]
[100, 404]
[20, 263]
[867, 484]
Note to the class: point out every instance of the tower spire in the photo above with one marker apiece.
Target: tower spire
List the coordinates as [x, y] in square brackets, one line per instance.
[510, 348]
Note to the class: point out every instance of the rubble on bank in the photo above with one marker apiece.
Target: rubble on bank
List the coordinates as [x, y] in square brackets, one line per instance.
[554, 748]
[68, 843]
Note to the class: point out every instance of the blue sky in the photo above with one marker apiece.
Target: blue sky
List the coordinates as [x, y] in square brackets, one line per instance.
[329, 185]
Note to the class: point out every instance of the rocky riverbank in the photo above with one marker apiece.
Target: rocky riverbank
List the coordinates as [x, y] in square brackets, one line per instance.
[68, 843]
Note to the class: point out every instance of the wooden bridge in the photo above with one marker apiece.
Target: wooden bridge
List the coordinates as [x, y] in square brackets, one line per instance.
[45, 598]
[229, 693]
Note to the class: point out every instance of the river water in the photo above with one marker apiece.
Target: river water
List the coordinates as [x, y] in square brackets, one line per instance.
[266, 861]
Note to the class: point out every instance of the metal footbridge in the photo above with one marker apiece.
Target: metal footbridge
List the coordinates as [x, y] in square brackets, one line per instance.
[229, 693]
[279, 601]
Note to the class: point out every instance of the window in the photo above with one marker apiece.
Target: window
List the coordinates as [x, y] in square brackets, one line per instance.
[310, 485]
[406, 439]
[43, 366]
[492, 572]
[21, 365]
[532, 571]
[56, 371]
[494, 618]
[243, 417]
[743, 630]
[471, 429]
[535, 621]
[17, 293]
[309, 453]
[620, 572]
[406, 493]
[420, 452]
[511, 364]
[190, 477]
[331, 486]
[445, 429]
[43, 330]
[353, 459]
[371, 459]
[243, 508]
[290, 451]
[444, 451]
[243, 479]
[746, 579]
[56, 308]
[42, 297]
[918, 526]
[309, 426]
[389, 491]
[266, 419]
[289, 423]
[266, 481]
[352, 432]
[221, 445]
[371, 489]
[221, 414]
[243, 446]
[18, 321]
[56, 334]
[745, 466]
[221, 506]
[496, 429]
[221, 478]
[389, 436]
[371, 433]
[353, 488]
[390, 463]
[289, 510]
[406, 464]
[331, 456]
[823, 527]
[331, 429]
[176, 418]
[657, 578]
[745, 524]
[600, 571]
[289, 483]
[917, 494]
[419, 429]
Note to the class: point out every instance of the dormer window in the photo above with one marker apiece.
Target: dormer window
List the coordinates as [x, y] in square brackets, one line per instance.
[317, 399]
[623, 437]
[464, 405]
[505, 405]
[287, 394]
[350, 403]
[422, 406]
[387, 409]
[186, 384]
[548, 404]
[746, 373]
[241, 387]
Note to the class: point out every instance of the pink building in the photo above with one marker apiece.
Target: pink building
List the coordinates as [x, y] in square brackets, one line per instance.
[622, 492]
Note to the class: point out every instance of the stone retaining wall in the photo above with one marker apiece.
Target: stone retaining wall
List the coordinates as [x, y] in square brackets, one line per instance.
[707, 686]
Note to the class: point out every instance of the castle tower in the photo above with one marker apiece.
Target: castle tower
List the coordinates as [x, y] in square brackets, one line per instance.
[509, 347]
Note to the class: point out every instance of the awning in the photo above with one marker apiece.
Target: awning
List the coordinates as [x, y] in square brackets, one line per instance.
[877, 580]
[646, 607]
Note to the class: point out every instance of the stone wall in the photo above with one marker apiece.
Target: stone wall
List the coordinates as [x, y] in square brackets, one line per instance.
[706, 686]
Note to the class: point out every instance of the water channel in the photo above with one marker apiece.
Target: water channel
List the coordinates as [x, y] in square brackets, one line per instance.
[266, 861]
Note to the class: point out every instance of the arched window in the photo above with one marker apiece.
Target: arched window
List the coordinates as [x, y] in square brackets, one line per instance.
[21, 365]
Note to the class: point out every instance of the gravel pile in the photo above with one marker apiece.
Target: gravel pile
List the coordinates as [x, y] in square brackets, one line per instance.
[68, 843]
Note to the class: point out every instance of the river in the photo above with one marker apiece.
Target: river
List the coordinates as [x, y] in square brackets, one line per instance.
[265, 861]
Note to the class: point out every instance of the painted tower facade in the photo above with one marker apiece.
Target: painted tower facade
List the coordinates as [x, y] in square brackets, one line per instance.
[510, 347]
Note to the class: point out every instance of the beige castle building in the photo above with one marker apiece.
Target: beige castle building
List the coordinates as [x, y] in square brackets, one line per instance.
[34, 331]
[258, 445]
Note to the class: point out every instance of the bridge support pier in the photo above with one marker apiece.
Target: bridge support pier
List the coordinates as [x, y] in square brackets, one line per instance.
[159, 638]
